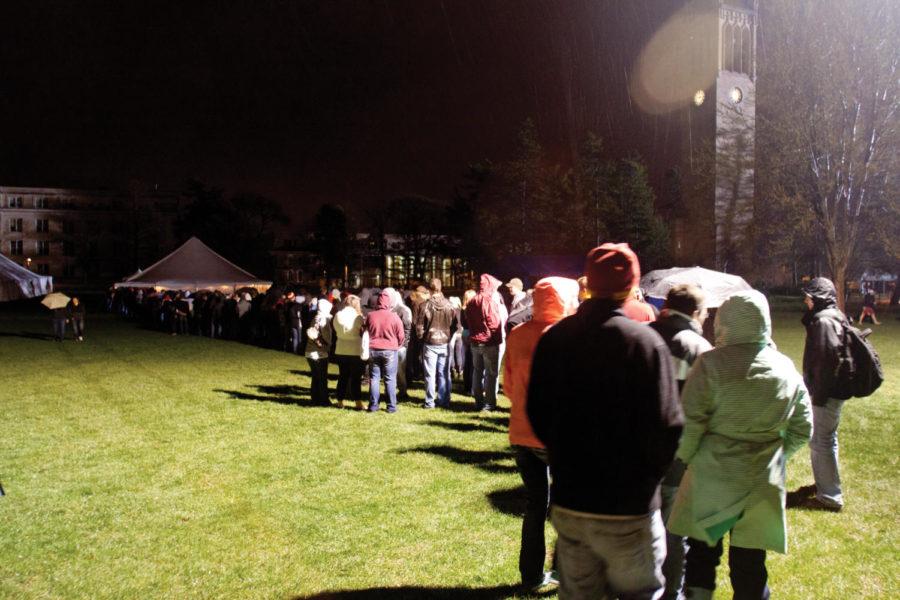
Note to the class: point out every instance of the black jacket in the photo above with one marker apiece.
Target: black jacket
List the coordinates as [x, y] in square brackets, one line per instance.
[824, 339]
[603, 399]
[684, 337]
[294, 313]
[437, 321]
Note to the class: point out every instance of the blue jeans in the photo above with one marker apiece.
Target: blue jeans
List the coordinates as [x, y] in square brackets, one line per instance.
[485, 365]
[383, 362]
[824, 452]
[295, 339]
[437, 375]
[610, 557]
[532, 466]
[59, 329]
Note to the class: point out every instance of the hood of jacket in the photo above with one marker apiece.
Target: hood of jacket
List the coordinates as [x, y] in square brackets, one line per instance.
[554, 298]
[346, 319]
[744, 319]
[324, 311]
[384, 300]
[439, 301]
[394, 296]
[488, 284]
[822, 292]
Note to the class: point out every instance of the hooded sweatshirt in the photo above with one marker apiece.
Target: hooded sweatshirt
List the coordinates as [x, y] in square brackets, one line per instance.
[348, 328]
[403, 311]
[384, 326]
[554, 298]
[824, 339]
[318, 348]
[485, 314]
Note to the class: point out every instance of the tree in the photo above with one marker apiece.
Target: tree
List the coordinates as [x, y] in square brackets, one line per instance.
[828, 108]
[331, 239]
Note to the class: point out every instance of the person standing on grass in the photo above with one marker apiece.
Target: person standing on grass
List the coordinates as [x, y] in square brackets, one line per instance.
[681, 326]
[868, 309]
[554, 298]
[437, 323]
[59, 317]
[602, 398]
[350, 333]
[486, 317]
[406, 318]
[821, 356]
[319, 339]
[76, 317]
[746, 413]
[457, 350]
[293, 308]
[520, 304]
[385, 339]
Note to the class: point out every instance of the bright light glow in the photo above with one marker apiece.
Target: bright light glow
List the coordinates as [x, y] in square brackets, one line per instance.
[699, 97]
[736, 95]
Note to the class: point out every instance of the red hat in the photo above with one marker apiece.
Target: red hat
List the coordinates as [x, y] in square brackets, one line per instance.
[611, 270]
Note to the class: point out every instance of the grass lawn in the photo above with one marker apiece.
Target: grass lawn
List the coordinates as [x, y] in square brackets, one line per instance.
[140, 465]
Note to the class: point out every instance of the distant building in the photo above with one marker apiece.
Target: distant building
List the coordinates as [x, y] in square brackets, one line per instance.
[85, 239]
[373, 261]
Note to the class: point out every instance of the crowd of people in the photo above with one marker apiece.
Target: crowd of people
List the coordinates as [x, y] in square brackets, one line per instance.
[643, 441]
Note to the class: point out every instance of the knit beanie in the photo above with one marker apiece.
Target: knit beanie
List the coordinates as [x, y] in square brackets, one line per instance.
[612, 270]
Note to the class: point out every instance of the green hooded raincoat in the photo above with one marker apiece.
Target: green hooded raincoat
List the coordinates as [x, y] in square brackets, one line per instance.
[746, 412]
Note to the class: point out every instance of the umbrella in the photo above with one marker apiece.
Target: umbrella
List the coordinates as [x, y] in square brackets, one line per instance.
[55, 300]
[717, 286]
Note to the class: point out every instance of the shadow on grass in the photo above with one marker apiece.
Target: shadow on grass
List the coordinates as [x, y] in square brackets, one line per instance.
[467, 427]
[395, 593]
[486, 460]
[331, 376]
[47, 337]
[509, 502]
[280, 394]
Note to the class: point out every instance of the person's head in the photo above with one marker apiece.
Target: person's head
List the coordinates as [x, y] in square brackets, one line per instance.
[352, 301]
[436, 285]
[688, 299]
[554, 299]
[612, 271]
[75, 301]
[468, 296]
[820, 294]
[455, 302]
[515, 286]
[289, 295]
[583, 292]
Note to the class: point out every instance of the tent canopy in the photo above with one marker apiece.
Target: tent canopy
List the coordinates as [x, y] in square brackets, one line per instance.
[194, 266]
[716, 286]
[18, 283]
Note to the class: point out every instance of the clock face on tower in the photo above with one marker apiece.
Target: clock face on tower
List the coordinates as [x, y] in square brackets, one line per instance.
[699, 97]
[736, 95]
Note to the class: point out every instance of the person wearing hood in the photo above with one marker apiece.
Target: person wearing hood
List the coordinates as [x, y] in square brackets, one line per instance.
[554, 298]
[293, 311]
[680, 325]
[821, 356]
[319, 338]
[437, 323]
[602, 398]
[406, 318]
[385, 339]
[486, 317]
[746, 413]
[352, 341]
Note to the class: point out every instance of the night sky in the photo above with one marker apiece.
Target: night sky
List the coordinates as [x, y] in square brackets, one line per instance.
[349, 102]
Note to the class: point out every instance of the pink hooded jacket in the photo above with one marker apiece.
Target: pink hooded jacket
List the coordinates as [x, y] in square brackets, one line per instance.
[554, 298]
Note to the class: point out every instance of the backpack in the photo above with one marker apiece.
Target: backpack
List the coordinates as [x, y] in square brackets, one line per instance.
[859, 371]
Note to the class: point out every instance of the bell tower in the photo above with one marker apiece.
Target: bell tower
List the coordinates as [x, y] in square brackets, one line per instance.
[735, 134]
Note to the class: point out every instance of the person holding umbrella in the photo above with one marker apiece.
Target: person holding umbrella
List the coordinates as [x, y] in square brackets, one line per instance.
[57, 304]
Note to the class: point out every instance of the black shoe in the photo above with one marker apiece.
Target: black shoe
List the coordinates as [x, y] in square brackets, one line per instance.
[798, 496]
[816, 504]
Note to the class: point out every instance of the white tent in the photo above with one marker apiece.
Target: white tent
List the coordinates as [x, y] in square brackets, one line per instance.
[17, 282]
[716, 286]
[194, 266]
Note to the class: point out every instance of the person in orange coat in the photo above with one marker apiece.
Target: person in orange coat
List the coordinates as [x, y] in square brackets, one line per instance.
[554, 298]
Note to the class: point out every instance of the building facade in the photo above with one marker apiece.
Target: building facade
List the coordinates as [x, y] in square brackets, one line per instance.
[85, 239]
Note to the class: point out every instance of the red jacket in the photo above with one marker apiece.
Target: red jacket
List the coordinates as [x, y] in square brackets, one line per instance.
[485, 315]
[384, 326]
[554, 298]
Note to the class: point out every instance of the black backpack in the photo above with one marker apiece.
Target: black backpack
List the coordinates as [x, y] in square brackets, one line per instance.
[859, 371]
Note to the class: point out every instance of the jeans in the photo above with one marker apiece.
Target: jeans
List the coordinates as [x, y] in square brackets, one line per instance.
[457, 353]
[59, 329]
[319, 372]
[401, 370]
[437, 375]
[350, 370]
[673, 567]
[383, 362]
[485, 363]
[295, 339]
[824, 452]
[747, 570]
[78, 326]
[610, 557]
[532, 466]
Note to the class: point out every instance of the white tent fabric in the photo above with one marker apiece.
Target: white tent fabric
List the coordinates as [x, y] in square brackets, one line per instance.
[194, 266]
[17, 282]
[716, 286]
